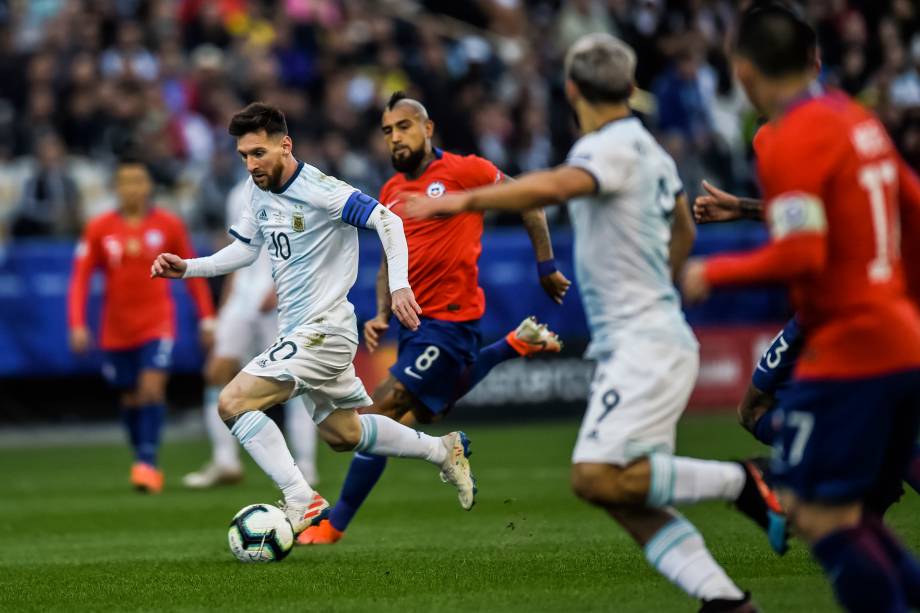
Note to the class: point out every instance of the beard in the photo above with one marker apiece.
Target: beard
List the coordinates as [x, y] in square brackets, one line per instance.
[409, 163]
[272, 179]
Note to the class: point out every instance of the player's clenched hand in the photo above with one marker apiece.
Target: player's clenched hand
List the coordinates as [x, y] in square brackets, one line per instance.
[423, 207]
[80, 340]
[555, 285]
[374, 329]
[693, 284]
[716, 205]
[406, 308]
[169, 266]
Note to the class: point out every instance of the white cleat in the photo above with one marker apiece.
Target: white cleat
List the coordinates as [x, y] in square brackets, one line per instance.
[302, 516]
[456, 468]
[212, 475]
[532, 337]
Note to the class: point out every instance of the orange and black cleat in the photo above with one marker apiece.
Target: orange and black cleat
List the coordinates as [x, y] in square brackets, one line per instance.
[531, 337]
[321, 534]
[146, 478]
[759, 502]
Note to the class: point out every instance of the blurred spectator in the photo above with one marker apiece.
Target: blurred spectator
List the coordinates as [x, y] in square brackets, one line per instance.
[129, 58]
[49, 204]
[579, 17]
[168, 74]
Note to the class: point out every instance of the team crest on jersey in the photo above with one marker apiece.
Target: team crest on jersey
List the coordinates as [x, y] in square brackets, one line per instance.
[263, 216]
[262, 363]
[435, 190]
[297, 222]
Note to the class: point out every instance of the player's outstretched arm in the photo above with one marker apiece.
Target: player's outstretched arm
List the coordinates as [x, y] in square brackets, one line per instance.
[534, 190]
[553, 282]
[234, 256]
[168, 266]
[717, 205]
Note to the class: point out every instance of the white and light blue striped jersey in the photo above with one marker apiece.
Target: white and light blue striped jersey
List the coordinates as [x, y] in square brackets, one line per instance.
[313, 250]
[622, 236]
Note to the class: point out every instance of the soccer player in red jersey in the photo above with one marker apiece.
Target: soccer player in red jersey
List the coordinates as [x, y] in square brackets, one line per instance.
[442, 360]
[832, 184]
[138, 324]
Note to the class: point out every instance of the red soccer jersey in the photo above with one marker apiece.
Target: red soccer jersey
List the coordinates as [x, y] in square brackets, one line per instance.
[831, 182]
[136, 308]
[444, 253]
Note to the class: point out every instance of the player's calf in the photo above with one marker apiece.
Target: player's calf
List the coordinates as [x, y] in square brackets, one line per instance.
[341, 430]
[606, 485]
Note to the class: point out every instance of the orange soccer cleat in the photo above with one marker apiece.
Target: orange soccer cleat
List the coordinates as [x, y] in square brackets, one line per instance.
[321, 534]
[146, 478]
[531, 338]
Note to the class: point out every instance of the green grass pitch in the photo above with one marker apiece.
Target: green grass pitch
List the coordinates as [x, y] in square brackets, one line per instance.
[76, 538]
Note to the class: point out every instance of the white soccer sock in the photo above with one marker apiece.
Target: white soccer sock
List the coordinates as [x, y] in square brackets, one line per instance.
[383, 436]
[676, 480]
[301, 431]
[262, 438]
[224, 451]
[678, 552]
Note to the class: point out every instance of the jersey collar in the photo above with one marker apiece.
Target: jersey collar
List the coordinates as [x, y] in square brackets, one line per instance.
[814, 90]
[438, 153]
[288, 183]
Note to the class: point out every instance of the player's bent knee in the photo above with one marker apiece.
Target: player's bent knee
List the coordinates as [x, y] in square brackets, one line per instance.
[341, 430]
[230, 403]
[609, 486]
[342, 441]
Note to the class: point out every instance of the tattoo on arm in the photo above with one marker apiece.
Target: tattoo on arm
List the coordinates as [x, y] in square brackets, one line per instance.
[538, 231]
[751, 208]
[384, 300]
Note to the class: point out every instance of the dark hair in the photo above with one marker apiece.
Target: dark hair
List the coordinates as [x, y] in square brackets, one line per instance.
[776, 40]
[395, 98]
[130, 153]
[256, 117]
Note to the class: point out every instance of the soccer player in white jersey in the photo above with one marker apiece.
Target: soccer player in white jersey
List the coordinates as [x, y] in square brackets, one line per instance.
[633, 232]
[246, 323]
[309, 221]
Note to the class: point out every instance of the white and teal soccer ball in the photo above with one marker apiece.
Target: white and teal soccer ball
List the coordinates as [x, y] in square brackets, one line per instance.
[260, 533]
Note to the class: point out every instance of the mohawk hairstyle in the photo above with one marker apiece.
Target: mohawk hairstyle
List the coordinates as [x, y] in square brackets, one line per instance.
[395, 98]
[256, 117]
[776, 39]
[402, 97]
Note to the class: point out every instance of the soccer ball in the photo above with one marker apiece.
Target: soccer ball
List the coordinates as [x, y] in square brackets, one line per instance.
[260, 533]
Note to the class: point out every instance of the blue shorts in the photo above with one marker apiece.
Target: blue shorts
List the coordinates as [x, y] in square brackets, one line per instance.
[840, 441]
[122, 368]
[432, 361]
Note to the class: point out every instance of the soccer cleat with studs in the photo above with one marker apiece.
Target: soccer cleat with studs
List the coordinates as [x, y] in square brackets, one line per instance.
[532, 337]
[322, 533]
[759, 502]
[306, 515]
[456, 468]
[146, 478]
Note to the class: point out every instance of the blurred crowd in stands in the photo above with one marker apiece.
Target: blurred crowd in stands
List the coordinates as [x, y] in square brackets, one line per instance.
[82, 80]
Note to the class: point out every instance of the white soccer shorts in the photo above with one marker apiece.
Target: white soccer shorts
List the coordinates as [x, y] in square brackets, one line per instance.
[637, 396]
[320, 365]
[239, 336]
